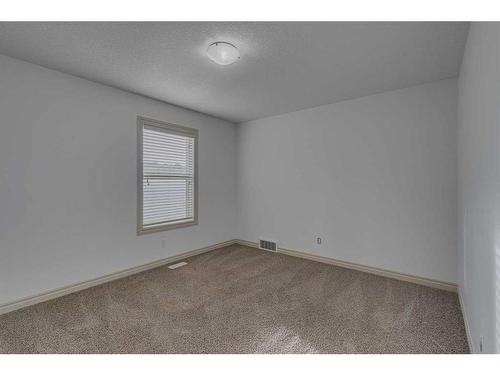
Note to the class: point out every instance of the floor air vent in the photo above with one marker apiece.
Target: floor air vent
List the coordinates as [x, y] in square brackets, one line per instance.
[269, 245]
[177, 265]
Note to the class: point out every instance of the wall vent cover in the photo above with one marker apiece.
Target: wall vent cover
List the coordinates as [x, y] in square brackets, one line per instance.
[269, 245]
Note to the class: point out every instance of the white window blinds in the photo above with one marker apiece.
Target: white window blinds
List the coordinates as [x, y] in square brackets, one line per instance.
[168, 176]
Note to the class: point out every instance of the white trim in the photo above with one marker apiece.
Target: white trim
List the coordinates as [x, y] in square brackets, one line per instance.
[42, 297]
[466, 321]
[359, 267]
[32, 300]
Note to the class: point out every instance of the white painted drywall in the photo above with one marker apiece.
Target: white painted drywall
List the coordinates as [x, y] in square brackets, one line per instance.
[479, 186]
[375, 177]
[68, 180]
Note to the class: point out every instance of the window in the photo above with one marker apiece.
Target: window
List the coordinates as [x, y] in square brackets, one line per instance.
[166, 176]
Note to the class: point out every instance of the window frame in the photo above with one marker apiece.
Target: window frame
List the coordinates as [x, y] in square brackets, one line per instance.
[169, 129]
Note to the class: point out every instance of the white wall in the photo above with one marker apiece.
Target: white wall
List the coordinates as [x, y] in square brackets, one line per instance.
[68, 180]
[479, 187]
[375, 177]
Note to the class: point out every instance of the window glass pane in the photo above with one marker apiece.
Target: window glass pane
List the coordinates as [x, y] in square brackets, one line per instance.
[167, 154]
[166, 200]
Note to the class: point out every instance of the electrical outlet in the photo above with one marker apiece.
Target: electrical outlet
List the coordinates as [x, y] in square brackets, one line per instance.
[319, 241]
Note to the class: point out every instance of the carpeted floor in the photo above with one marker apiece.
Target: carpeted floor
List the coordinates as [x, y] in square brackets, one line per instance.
[242, 300]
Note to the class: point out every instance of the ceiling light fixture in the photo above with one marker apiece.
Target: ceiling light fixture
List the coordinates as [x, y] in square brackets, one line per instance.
[223, 53]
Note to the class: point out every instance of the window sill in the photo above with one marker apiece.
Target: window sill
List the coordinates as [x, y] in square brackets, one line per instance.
[162, 228]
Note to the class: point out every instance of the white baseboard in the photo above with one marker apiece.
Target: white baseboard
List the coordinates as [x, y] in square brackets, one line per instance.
[358, 267]
[466, 321]
[42, 297]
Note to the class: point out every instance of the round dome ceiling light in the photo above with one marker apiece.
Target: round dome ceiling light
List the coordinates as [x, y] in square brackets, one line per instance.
[223, 53]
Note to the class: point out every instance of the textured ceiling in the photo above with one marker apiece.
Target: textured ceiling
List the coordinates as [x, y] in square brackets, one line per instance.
[284, 66]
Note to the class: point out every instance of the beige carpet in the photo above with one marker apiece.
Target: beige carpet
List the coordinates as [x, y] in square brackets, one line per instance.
[242, 300]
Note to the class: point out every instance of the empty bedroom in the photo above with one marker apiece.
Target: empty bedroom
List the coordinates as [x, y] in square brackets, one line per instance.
[249, 186]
